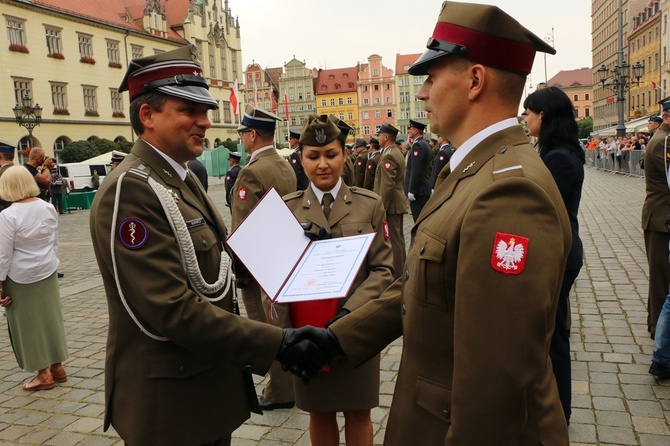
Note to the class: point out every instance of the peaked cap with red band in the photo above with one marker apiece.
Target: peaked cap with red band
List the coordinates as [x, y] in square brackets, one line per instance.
[175, 73]
[484, 34]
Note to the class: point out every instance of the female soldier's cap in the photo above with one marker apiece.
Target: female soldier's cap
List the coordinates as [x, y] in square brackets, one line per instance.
[175, 73]
[482, 33]
[319, 131]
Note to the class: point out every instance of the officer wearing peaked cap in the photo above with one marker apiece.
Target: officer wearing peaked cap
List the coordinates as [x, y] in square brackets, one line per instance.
[294, 159]
[6, 161]
[417, 174]
[231, 174]
[264, 169]
[389, 181]
[479, 290]
[177, 348]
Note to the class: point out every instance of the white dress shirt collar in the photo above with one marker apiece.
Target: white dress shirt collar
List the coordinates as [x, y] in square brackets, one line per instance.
[320, 193]
[465, 148]
[181, 170]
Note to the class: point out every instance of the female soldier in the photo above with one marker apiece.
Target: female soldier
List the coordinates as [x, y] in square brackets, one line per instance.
[330, 205]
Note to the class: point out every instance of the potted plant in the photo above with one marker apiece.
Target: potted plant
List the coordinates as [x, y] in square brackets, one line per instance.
[88, 60]
[18, 48]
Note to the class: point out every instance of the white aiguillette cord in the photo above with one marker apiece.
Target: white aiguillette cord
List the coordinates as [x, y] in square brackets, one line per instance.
[188, 257]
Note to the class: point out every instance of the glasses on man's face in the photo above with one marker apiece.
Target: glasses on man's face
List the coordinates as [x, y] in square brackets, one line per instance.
[241, 132]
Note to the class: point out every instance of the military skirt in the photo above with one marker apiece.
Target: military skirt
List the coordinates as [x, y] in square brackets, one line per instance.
[35, 323]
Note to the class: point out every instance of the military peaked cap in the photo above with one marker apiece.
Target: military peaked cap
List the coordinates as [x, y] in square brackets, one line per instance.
[256, 118]
[417, 125]
[388, 128]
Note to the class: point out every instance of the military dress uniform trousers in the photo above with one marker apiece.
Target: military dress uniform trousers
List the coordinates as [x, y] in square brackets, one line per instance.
[397, 239]
[280, 387]
[656, 244]
[418, 204]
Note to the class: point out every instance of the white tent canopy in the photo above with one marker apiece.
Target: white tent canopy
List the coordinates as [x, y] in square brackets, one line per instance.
[105, 158]
[632, 127]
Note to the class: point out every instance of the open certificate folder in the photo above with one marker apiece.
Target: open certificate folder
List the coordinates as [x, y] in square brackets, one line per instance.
[288, 265]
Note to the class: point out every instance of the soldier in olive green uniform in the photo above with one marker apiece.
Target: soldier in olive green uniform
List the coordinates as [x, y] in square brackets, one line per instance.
[371, 165]
[389, 182]
[359, 164]
[264, 169]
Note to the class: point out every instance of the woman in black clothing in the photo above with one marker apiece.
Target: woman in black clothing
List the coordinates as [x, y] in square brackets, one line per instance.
[551, 119]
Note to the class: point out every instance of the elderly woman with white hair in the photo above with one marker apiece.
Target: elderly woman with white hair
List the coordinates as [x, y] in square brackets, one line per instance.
[28, 280]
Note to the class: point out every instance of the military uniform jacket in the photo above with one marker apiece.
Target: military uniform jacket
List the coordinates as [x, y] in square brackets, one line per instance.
[371, 169]
[389, 180]
[195, 387]
[267, 169]
[300, 176]
[355, 211]
[348, 171]
[475, 366]
[417, 175]
[231, 177]
[359, 168]
[441, 160]
[656, 207]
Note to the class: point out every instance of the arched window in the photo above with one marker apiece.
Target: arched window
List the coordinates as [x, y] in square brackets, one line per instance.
[59, 145]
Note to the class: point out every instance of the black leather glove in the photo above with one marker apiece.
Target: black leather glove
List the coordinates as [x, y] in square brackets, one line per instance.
[322, 235]
[340, 314]
[305, 351]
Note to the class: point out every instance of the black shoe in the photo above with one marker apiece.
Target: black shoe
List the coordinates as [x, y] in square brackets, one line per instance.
[659, 371]
[61, 275]
[271, 405]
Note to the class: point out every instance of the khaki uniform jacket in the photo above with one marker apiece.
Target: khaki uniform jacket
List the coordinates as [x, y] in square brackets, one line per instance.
[196, 387]
[656, 207]
[359, 168]
[371, 169]
[389, 180]
[267, 169]
[475, 366]
[355, 211]
[348, 172]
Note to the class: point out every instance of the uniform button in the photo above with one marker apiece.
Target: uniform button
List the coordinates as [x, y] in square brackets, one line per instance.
[403, 309]
[204, 242]
[446, 414]
[406, 274]
[360, 230]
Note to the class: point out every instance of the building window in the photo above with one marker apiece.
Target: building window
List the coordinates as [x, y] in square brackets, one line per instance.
[85, 46]
[587, 112]
[54, 44]
[350, 100]
[113, 53]
[323, 102]
[136, 51]
[216, 113]
[332, 101]
[23, 87]
[224, 64]
[291, 97]
[16, 31]
[378, 127]
[117, 103]
[575, 97]
[59, 145]
[421, 113]
[365, 88]
[389, 113]
[418, 80]
[378, 114]
[300, 96]
[366, 129]
[587, 97]
[293, 122]
[340, 101]
[375, 72]
[59, 98]
[388, 99]
[366, 101]
[341, 116]
[308, 96]
[301, 107]
[377, 101]
[212, 61]
[90, 100]
[233, 62]
[350, 116]
[366, 114]
[227, 114]
[387, 86]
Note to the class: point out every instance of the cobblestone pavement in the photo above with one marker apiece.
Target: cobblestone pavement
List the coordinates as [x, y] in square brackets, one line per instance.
[615, 401]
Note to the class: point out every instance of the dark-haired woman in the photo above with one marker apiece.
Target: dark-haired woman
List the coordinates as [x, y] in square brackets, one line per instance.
[329, 205]
[551, 119]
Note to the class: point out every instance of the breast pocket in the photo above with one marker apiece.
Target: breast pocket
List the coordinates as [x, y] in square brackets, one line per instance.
[203, 238]
[349, 229]
[426, 276]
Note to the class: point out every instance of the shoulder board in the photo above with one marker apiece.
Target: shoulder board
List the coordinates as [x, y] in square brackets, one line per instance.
[506, 163]
[139, 170]
[364, 192]
[293, 195]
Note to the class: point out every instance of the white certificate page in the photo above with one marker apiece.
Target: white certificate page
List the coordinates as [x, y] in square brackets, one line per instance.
[327, 269]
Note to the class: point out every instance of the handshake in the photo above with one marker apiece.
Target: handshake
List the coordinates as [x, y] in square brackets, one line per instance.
[305, 351]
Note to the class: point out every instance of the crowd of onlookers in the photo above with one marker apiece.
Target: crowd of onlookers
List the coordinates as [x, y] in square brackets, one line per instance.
[616, 153]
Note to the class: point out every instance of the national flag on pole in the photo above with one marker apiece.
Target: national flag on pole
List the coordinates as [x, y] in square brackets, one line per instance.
[654, 86]
[234, 94]
[285, 105]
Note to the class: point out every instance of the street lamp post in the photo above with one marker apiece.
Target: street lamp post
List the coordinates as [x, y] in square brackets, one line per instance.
[620, 82]
[28, 116]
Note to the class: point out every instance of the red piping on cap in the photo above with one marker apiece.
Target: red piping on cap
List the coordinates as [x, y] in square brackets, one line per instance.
[488, 49]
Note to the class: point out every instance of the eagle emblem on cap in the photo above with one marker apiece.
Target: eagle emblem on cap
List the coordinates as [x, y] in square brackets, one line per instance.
[320, 135]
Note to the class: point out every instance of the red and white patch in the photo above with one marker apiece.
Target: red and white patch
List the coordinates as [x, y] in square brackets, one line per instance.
[293, 160]
[133, 233]
[242, 194]
[387, 165]
[360, 163]
[416, 153]
[386, 231]
[509, 253]
[441, 157]
[369, 166]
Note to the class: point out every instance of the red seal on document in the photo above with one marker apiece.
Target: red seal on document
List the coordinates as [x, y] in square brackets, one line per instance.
[509, 253]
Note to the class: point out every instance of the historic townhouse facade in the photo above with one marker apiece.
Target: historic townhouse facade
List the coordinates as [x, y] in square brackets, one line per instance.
[297, 99]
[577, 85]
[337, 93]
[70, 58]
[409, 107]
[260, 89]
[376, 96]
[645, 45]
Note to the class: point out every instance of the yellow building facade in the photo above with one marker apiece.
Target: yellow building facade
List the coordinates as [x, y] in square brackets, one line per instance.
[337, 94]
[70, 58]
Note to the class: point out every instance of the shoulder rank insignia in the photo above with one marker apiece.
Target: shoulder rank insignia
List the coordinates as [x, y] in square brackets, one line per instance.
[509, 253]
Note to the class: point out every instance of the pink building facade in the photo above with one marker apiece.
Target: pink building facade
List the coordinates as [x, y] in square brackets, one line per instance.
[376, 96]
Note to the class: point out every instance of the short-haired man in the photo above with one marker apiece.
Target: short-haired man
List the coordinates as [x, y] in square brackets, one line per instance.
[417, 173]
[441, 159]
[480, 286]
[6, 161]
[389, 180]
[231, 176]
[40, 165]
[179, 356]
[655, 210]
[296, 162]
[117, 158]
[371, 164]
[264, 169]
[653, 125]
[361, 152]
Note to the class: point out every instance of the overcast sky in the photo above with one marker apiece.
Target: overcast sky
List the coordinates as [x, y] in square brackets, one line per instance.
[339, 34]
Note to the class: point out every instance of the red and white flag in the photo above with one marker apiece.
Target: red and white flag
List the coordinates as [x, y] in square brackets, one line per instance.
[234, 94]
[286, 105]
[654, 86]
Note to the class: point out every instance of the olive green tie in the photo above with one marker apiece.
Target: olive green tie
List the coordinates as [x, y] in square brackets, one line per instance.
[326, 201]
